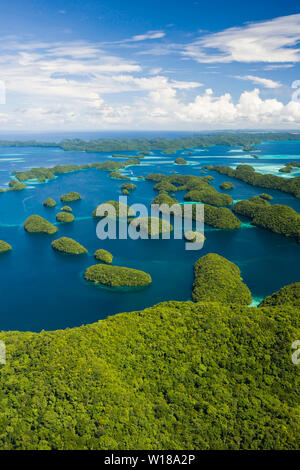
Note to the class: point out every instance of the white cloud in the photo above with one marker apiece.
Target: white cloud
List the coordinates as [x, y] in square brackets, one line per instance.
[265, 82]
[267, 41]
[148, 35]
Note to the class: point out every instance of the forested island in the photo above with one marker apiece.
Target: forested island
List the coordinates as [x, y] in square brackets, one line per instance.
[209, 374]
[243, 139]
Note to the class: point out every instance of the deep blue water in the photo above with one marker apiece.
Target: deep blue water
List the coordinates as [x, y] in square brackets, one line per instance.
[42, 289]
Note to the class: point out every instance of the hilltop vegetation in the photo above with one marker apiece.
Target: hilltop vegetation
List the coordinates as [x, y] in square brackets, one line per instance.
[179, 375]
[64, 217]
[71, 196]
[116, 209]
[69, 246]
[277, 218]
[219, 280]
[287, 295]
[247, 174]
[4, 246]
[50, 202]
[151, 225]
[37, 224]
[116, 276]
[104, 256]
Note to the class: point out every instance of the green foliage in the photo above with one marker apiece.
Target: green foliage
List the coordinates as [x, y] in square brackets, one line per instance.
[71, 196]
[116, 276]
[165, 186]
[179, 375]
[164, 198]
[266, 196]
[247, 174]
[68, 245]
[180, 161]
[209, 196]
[64, 217]
[15, 185]
[49, 202]
[277, 218]
[287, 295]
[66, 209]
[37, 224]
[104, 256]
[4, 246]
[118, 176]
[128, 187]
[220, 217]
[227, 185]
[219, 280]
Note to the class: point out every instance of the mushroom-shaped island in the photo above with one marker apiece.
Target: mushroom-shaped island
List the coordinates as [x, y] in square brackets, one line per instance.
[37, 224]
[71, 196]
[151, 225]
[180, 161]
[49, 202]
[117, 276]
[227, 185]
[66, 209]
[69, 246]
[64, 217]
[104, 256]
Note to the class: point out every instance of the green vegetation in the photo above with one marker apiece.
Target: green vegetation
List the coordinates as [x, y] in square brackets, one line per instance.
[180, 161]
[219, 280]
[227, 185]
[247, 174]
[66, 209]
[287, 295]
[71, 196]
[65, 217]
[49, 202]
[209, 195]
[288, 168]
[37, 224]
[121, 210]
[128, 187]
[151, 225]
[277, 218]
[266, 196]
[4, 247]
[118, 176]
[179, 375]
[246, 140]
[220, 217]
[69, 246]
[166, 186]
[43, 175]
[164, 198]
[116, 276]
[15, 185]
[104, 256]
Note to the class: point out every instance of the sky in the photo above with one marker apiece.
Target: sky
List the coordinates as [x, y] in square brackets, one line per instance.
[149, 65]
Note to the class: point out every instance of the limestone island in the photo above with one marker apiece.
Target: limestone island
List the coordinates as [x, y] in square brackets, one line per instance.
[287, 295]
[127, 188]
[104, 256]
[69, 246]
[71, 196]
[49, 202]
[64, 217]
[37, 224]
[116, 276]
[66, 209]
[180, 161]
[4, 246]
[219, 280]
[227, 185]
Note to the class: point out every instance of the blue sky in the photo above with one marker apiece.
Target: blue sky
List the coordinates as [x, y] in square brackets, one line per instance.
[184, 65]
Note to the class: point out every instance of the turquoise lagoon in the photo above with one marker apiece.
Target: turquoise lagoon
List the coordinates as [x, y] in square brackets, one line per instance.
[43, 289]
